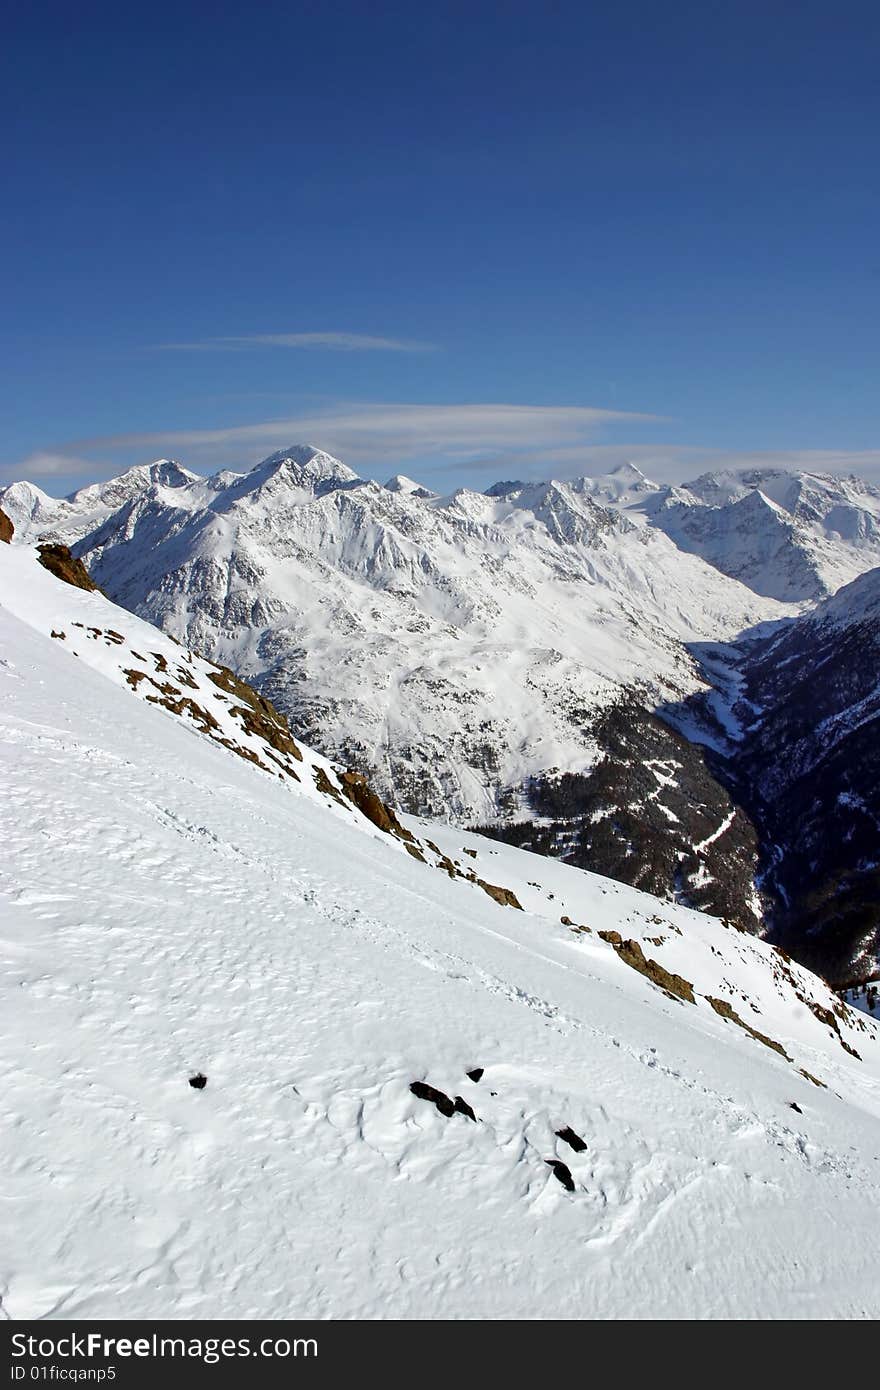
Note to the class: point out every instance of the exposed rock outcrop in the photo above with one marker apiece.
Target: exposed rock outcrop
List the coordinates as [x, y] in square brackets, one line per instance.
[726, 1010]
[361, 794]
[58, 560]
[561, 1172]
[258, 715]
[631, 953]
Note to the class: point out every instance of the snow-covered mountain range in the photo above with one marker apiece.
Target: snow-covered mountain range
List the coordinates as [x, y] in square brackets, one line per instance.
[453, 648]
[791, 536]
[267, 1047]
[563, 662]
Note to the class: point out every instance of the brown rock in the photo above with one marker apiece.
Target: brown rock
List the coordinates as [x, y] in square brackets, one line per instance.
[574, 1141]
[358, 790]
[810, 1077]
[463, 1108]
[325, 786]
[725, 1010]
[257, 714]
[505, 896]
[58, 560]
[631, 953]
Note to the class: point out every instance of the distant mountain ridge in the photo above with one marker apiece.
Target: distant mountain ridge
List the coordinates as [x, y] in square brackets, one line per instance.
[791, 536]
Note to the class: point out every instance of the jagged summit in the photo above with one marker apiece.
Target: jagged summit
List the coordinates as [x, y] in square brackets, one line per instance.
[791, 535]
[504, 489]
[401, 483]
[35, 513]
[25, 502]
[628, 477]
[308, 463]
[300, 471]
[630, 471]
[159, 473]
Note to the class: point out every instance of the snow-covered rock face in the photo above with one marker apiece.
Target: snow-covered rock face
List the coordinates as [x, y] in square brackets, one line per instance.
[791, 536]
[400, 483]
[36, 514]
[751, 539]
[28, 507]
[661, 1104]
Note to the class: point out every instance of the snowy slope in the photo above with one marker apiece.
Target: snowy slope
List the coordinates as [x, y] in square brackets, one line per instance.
[169, 907]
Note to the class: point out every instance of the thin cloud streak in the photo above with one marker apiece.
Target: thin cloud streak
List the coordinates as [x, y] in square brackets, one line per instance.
[365, 435]
[326, 342]
[413, 429]
[49, 463]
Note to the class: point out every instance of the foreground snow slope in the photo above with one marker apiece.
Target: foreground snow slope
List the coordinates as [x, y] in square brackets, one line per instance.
[169, 907]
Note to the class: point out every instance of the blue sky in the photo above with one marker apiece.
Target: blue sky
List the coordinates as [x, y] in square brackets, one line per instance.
[462, 240]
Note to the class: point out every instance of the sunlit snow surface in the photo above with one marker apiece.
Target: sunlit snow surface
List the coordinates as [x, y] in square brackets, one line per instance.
[168, 908]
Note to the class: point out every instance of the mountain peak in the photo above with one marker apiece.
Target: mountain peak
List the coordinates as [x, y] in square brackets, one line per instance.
[401, 483]
[303, 466]
[756, 503]
[307, 457]
[139, 478]
[628, 472]
[505, 488]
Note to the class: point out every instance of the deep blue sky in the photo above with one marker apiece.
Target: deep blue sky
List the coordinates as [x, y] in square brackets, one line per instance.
[666, 209]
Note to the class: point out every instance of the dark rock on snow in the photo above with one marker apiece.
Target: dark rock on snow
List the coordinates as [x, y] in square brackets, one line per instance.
[562, 1172]
[425, 1092]
[573, 1140]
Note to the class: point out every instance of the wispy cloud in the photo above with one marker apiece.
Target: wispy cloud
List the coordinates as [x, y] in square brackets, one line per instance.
[365, 435]
[368, 435]
[51, 463]
[326, 342]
